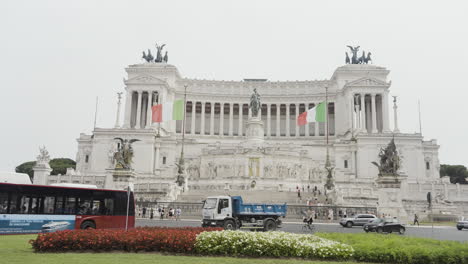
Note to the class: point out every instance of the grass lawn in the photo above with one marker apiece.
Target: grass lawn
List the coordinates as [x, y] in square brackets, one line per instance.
[16, 249]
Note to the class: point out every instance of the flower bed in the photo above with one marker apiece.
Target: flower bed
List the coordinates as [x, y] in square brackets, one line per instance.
[270, 244]
[179, 240]
[402, 249]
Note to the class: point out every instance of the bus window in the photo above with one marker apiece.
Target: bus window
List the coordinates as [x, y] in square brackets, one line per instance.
[59, 204]
[13, 203]
[109, 203]
[24, 205]
[34, 209]
[84, 207]
[48, 205]
[3, 202]
[70, 205]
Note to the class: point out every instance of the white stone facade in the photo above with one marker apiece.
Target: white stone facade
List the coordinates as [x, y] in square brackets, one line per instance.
[219, 155]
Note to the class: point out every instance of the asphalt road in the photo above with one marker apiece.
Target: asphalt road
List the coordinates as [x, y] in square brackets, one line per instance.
[438, 232]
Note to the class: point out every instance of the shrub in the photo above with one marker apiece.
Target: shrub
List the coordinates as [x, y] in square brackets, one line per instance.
[179, 240]
[270, 244]
[401, 249]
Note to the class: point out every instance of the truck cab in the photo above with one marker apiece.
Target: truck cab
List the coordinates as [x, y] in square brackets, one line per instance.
[216, 210]
[231, 213]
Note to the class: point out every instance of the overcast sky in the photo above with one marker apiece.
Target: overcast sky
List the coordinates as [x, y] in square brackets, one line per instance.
[56, 57]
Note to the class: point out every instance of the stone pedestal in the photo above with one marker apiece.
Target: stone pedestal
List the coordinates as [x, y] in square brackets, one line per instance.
[41, 174]
[255, 131]
[390, 196]
[42, 168]
[120, 179]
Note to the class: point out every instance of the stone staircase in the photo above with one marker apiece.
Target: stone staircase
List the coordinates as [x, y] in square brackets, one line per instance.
[252, 196]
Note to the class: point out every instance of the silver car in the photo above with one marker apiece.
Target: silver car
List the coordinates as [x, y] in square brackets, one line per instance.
[462, 224]
[357, 220]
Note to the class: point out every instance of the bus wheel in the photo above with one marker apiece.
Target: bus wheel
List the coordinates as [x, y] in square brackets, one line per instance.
[88, 225]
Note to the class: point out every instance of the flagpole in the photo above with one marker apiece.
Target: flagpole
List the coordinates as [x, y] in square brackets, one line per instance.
[327, 162]
[183, 122]
[95, 112]
[181, 160]
[329, 183]
[419, 111]
[128, 207]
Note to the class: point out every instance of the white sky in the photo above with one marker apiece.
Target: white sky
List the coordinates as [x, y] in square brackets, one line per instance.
[57, 56]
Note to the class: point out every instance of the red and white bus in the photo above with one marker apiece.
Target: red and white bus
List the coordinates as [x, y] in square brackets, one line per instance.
[27, 208]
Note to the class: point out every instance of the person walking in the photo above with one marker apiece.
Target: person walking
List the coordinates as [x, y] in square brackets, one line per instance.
[416, 219]
[144, 212]
[178, 212]
[162, 214]
[151, 213]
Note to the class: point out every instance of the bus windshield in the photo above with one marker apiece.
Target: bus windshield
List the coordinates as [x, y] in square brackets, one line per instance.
[210, 203]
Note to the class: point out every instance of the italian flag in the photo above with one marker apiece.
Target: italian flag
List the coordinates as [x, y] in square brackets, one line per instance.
[315, 114]
[168, 111]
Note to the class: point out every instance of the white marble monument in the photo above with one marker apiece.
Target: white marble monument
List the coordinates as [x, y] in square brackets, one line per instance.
[267, 156]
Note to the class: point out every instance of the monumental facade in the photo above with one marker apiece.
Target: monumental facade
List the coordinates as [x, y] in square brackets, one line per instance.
[227, 150]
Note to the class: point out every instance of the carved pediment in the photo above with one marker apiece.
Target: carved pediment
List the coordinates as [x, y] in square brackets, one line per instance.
[366, 81]
[145, 79]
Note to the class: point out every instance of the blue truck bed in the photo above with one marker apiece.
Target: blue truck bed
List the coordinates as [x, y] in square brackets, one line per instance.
[241, 208]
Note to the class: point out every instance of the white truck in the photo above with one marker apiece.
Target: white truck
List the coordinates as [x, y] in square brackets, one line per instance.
[231, 213]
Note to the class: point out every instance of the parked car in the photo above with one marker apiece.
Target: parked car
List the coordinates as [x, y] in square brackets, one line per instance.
[462, 224]
[383, 225]
[357, 220]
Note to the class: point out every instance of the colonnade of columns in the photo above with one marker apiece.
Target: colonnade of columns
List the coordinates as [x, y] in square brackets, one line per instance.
[369, 112]
[138, 105]
[227, 119]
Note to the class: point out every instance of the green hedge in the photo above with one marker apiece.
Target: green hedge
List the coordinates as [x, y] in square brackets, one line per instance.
[393, 248]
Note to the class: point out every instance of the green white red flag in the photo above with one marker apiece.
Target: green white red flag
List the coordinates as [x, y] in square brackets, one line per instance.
[168, 111]
[315, 114]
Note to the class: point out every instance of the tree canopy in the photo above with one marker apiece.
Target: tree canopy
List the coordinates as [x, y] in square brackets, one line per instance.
[58, 166]
[457, 173]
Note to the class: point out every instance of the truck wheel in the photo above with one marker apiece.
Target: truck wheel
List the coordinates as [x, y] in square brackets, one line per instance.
[459, 228]
[88, 225]
[229, 225]
[349, 224]
[379, 230]
[270, 225]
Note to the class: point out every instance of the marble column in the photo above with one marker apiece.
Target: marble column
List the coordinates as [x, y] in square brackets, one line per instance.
[240, 118]
[288, 121]
[212, 105]
[128, 109]
[295, 123]
[156, 158]
[357, 117]
[317, 125]
[395, 116]
[278, 122]
[374, 115]
[307, 126]
[268, 132]
[202, 123]
[231, 118]
[194, 116]
[221, 119]
[149, 112]
[385, 119]
[138, 117]
[363, 113]
[117, 119]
